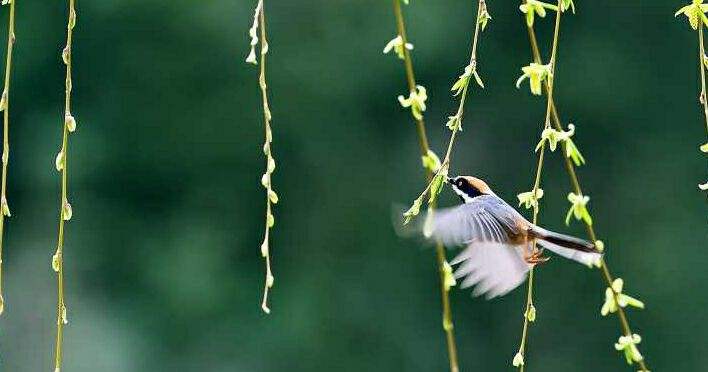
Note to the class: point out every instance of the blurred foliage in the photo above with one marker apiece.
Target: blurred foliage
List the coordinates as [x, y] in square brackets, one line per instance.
[163, 266]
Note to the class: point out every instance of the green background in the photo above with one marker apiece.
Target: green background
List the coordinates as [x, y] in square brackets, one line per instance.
[163, 271]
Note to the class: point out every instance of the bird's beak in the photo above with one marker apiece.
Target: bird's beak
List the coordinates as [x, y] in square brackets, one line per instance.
[450, 180]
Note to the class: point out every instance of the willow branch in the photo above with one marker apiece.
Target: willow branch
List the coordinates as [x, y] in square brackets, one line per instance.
[5, 106]
[424, 150]
[575, 184]
[463, 97]
[701, 66]
[550, 82]
[62, 166]
[266, 179]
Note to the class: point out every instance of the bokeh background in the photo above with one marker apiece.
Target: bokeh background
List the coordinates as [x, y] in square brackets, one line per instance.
[163, 270]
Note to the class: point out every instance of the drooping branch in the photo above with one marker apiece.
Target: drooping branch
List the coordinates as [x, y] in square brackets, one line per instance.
[615, 300]
[5, 107]
[404, 50]
[61, 163]
[259, 22]
[530, 310]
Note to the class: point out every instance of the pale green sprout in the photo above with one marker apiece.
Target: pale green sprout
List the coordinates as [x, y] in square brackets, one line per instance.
[70, 122]
[518, 360]
[396, 44]
[565, 4]
[5, 207]
[436, 185]
[553, 136]
[6, 2]
[253, 32]
[413, 211]
[59, 161]
[531, 313]
[64, 319]
[628, 344]
[533, 7]
[56, 261]
[416, 101]
[431, 161]
[484, 16]
[578, 208]
[454, 123]
[572, 152]
[529, 199]
[405, 2]
[433, 190]
[600, 245]
[66, 212]
[464, 79]
[536, 73]
[449, 281]
[704, 148]
[693, 12]
[623, 300]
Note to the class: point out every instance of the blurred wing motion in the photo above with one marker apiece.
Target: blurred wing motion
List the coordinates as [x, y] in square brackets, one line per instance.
[487, 226]
[493, 268]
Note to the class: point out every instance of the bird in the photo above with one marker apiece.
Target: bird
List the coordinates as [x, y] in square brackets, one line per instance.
[500, 244]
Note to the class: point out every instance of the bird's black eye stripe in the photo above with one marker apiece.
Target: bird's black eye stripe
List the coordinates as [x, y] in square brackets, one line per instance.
[468, 189]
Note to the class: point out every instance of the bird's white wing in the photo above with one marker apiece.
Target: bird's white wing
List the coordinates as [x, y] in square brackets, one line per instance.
[489, 262]
[493, 268]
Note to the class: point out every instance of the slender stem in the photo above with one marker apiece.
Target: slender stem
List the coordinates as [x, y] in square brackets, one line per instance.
[463, 96]
[424, 149]
[410, 77]
[702, 53]
[64, 214]
[537, 181]
[6, 137]
[270, 162]
[575, 183]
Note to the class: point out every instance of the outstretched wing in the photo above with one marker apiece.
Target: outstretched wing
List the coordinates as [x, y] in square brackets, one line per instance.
[488, 227]
[485, 219]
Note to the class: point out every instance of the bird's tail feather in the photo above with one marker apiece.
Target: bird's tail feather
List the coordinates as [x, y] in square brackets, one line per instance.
[564, 241]
[567, 246]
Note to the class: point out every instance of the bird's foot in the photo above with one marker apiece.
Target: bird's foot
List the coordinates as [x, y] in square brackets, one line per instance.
[536, 258]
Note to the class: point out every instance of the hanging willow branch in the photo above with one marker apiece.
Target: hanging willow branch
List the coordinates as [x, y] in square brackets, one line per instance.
[271, 196]
[402, 48]
[615, 299]
[535, 74]
[5, 107]
[437, 170]
[698, 20]
[61, 163]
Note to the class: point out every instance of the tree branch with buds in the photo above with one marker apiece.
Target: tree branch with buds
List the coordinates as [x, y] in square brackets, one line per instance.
[61, 163]
[5, 107]
[578, 203]
[431, 164]
[266, 179]
[695, 12]
[537, 73]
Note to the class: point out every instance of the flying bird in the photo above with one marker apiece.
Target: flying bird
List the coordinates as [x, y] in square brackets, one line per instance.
[499, 242]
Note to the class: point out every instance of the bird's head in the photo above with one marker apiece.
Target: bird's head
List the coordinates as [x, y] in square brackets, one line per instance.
[468, 187]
